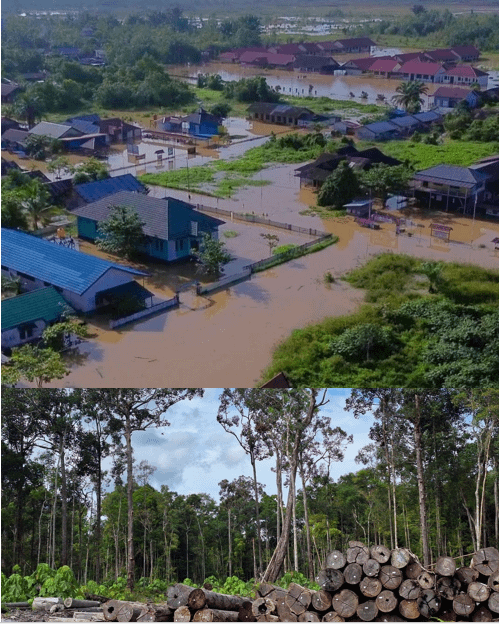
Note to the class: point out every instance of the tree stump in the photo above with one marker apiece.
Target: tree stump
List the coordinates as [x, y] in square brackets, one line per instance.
[386, 601]
[466, 575]
[493, 581]
[482, 614]
[445, 566]
[336, 560]
[400, 558]
[486, 561]
[409, 609]
[178, 595]
[390, 577]
[370, 587]
[413, 570]
[215, 615]
[367, 611]
[479, 592]
[309, 616]
[262, 606]
[332, 616]
[382, 554]
[493, 603]
[426, 580]
[298, 598]
[371, 567]
[410, 589]
[353, 573]
[201, 598]
[321, 600]
[330, 579]
[182, 614]
[345, 603]
[448, 587]
[428, 603]
[463, 605]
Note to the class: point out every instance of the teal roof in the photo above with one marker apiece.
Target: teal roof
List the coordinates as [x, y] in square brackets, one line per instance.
[54, 264]
[44, 304]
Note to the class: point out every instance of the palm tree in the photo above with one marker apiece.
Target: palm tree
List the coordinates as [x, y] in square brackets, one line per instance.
[29, 107]
[36, 203]
[409, 95]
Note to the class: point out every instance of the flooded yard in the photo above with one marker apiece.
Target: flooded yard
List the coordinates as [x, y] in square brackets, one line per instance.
[229, 337]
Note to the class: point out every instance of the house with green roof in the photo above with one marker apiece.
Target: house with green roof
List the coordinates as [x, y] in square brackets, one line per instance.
[25, 317]
[173, 228]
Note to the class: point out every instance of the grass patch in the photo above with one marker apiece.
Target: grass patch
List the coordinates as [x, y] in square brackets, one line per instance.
[294, 251]
[328, 105]
[180, 178]
[230, 233]
[422, 156]
[323, 213]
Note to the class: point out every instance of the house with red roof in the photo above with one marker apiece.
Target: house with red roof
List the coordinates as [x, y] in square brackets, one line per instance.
[425, 72]
[351, 46]
[355, 67]
[267, 59]
[409, 56]
[466, 53]
[384, 67]
[466, 75]
[443, 55]
[449, 97]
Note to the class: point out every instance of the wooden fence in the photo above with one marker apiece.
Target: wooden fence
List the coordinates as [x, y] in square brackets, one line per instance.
[163, 305]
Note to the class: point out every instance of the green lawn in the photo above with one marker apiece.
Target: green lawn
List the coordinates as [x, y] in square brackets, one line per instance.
[422, 156]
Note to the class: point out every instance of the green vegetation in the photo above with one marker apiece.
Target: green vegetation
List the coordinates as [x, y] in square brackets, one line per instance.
[122, 233]
[285, 253]
[212, 254]
[426, 324]
[230, 233]
[340, 187]
[422, 156]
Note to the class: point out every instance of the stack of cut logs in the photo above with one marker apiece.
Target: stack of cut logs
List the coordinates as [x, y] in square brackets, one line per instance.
[363, 585]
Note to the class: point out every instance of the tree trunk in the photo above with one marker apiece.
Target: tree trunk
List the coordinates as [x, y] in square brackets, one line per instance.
[421, 486]
[345, 603]
[307, 527]
[370, 587]
[367, 611]
[263, 606]
[257, 510]
[182, 614]
[64, 505]
[336, 560]
[230, 547]
[330, 579]
[295, 534]
[45, 604]
[215, 615]
[156, 613]
[321, 600]
[386, 601]
[201, 598]
[130, 567]
[74, 603]
[298, 599]
[245, 613]
[178, 595]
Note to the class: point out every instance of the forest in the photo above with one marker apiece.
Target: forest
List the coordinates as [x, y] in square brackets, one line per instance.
[74, 494]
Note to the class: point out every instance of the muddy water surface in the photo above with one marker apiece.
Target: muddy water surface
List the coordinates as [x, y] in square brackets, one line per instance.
[228, 338]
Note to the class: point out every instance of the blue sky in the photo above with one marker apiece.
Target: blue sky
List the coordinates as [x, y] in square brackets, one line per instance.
[195, 453]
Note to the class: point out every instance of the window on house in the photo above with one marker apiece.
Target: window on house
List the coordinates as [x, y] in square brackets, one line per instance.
[25, 331]
[425, 184]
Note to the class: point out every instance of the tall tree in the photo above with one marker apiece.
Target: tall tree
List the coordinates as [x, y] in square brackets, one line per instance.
[137, 410]
[122, 232]
[339, 188]
[409, 95]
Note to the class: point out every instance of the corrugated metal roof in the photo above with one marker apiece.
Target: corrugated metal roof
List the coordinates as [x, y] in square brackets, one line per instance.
[381, 126]
[428, 116]
[93, 191]
[82, 125]
[44, 304]
[166, 219]
[47, 128]
[452, 174]
[405, 122]
[55, 264]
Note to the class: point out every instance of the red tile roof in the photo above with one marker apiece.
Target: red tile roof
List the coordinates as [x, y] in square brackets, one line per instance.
[417, 67]
[363, 63]
[384, 65]
[466, 71]
[466, 50]
[452, 92]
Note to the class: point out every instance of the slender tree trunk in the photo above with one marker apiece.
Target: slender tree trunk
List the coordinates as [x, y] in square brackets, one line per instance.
[72, 534]
[257, 509]
[98, 494]
[40, 528]
[230, 547]
[64, 504]
[307, 527]
[496, 501]
[130, 552]
[421, 486]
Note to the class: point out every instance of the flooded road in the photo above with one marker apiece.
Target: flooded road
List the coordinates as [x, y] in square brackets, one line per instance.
[228, 338]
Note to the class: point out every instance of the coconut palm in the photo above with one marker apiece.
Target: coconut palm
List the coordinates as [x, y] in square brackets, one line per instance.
[409, 95]
[35, 201]
[28, 106]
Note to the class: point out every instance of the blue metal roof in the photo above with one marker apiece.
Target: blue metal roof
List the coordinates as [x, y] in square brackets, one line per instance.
[54, 264]
[407, 121]
[87, 127]
[381, 126]
[93, 191]
[428, 116]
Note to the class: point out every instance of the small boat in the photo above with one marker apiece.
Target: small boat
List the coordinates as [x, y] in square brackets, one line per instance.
[363, 95]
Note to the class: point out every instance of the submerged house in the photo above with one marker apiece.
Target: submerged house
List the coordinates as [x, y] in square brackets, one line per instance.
[200, 124]
[283, 114]
[84, 281]
[173, 228]
[448, 187]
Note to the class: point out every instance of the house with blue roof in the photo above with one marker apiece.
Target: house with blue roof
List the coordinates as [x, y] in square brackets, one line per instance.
[200, 124]
[379, 131]
[25, 317]
[407, 124]
[173, 228]
[93, 191]
[85, 282]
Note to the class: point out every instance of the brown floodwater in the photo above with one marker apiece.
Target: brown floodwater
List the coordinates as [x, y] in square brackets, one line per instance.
[310, 84]
[228, 338]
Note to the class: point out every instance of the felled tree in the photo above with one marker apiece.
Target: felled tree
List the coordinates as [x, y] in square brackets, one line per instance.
[212, 254]
[339, 188]
[122, 232]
